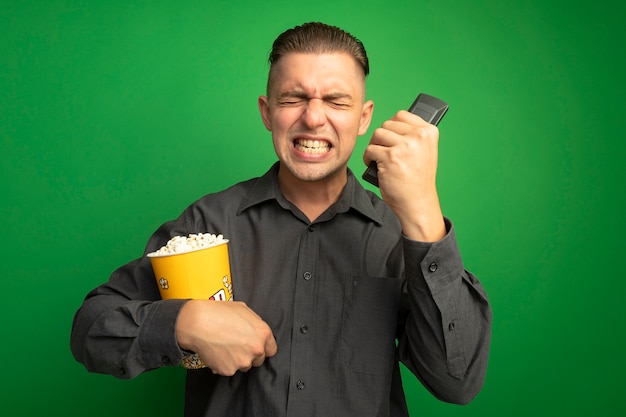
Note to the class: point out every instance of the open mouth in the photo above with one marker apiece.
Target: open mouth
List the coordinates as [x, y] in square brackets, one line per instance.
[311, 146]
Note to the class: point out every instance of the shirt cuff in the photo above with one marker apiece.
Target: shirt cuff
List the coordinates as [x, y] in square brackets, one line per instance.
[433, 266]
[158, 335]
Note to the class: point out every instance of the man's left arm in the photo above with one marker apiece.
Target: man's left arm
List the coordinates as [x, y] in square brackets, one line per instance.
[446, 335]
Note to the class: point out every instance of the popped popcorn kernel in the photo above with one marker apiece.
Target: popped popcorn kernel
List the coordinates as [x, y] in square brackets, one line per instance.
[192, 242]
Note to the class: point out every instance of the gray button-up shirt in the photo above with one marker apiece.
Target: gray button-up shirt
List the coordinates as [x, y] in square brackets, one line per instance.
[347, 297]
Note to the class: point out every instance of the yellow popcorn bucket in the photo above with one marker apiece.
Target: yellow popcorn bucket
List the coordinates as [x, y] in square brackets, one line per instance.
[199, 274]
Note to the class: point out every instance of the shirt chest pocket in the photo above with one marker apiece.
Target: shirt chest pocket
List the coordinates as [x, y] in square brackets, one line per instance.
[369, 321]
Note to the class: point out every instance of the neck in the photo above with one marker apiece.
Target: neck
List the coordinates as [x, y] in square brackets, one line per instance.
[312, 197]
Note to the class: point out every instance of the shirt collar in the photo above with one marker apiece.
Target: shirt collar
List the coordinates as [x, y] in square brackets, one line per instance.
[353, 196]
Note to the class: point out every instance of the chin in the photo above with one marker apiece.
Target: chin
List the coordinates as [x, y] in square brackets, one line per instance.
[312, 175]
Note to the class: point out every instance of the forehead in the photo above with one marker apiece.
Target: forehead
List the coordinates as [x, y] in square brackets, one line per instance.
[314, 73]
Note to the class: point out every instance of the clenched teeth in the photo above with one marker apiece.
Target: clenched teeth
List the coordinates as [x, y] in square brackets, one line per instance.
[312, 146]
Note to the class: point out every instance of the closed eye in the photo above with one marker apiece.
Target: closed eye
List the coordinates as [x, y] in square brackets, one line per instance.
[340, 105]
[336, 100]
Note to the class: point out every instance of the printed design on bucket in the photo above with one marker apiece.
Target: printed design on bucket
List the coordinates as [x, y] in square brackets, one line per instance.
[218, 296]
[164, 284]
[192, 361]
[227, 285]
[221, 294]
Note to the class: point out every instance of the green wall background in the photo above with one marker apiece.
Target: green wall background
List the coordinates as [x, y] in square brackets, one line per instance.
[114, 115]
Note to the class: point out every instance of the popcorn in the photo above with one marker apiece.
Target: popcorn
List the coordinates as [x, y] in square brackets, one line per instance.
[195, 241]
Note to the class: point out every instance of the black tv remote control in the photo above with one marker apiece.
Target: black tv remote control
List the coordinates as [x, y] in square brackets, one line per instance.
[428, 108]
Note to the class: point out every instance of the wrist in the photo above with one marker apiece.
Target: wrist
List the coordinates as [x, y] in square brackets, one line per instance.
[184, 322]
[423, 224]
[429, 231]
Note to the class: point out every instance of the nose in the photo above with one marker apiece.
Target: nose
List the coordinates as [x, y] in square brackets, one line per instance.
[314, 114]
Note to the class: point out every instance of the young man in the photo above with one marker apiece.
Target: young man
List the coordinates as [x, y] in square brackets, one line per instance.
[333, 286]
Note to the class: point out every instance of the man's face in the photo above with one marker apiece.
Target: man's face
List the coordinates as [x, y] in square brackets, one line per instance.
[315, 110]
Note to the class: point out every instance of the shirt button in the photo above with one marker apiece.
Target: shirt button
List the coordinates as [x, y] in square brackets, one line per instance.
[451, 326]
[304, 328]
[165, 359]
[432, 267]
[311, 228]
[307, 275]
[300, 385]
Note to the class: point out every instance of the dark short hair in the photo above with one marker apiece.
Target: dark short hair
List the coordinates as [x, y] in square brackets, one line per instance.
[316, 37]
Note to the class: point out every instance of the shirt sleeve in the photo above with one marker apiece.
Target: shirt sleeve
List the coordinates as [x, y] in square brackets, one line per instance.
[445, 335]
[123, 328]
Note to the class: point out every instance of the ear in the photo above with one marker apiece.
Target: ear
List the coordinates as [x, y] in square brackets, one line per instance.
[264, 109]
[366, 117]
